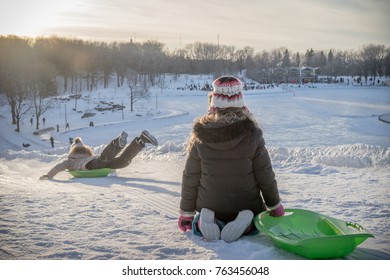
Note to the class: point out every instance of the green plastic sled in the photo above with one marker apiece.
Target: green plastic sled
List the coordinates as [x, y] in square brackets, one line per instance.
[311, 234]
[102, 172]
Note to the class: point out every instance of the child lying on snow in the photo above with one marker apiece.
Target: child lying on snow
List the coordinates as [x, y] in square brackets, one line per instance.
[228, 176]
[81, 156]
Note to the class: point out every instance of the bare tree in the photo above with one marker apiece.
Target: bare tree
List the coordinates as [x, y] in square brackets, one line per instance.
[119, 62]
[152, 58]
[372, 59]
[22, 102]
[22, 108]
[138, 85]
[243, 56]
[162, 85]
[386, 66]
[14, 52]
[226, 57]
[41, 85]
[203, 56]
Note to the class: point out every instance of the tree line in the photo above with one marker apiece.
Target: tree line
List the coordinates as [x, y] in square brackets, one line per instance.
[30, 68]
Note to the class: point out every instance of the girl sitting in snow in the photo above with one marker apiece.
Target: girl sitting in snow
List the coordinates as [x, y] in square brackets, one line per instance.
[81, 156]
[228, 176]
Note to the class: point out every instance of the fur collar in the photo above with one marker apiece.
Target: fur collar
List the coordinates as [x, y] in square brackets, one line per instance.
[221, 135]
[78, 152]
[223, 130]
[217, 132]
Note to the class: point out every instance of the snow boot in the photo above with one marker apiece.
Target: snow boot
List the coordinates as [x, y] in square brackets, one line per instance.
[146, 137]
[123, 139]
[233, 230]
[207, 225]
[120, 141]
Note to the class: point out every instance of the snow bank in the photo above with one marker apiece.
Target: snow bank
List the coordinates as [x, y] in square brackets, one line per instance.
[308, 159]
[355, 156]
[55, 154]
[351, 156]
[170, 147]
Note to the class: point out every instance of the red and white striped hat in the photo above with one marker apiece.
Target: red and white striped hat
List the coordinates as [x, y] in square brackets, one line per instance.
[227, 93]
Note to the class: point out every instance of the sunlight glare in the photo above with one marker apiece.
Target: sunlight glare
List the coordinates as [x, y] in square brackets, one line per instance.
[31, 18]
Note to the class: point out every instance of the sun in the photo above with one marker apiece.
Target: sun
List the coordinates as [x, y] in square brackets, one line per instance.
[32, 18]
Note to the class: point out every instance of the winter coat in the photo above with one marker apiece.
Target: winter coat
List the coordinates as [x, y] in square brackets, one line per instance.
[78, 158]
[228, 169]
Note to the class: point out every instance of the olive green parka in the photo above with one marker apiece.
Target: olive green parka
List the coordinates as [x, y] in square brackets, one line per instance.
[228, 168]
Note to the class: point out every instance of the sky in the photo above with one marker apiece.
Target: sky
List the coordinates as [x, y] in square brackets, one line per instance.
[260, 24]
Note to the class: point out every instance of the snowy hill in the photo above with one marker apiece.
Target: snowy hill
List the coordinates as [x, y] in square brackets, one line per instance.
[329, 150]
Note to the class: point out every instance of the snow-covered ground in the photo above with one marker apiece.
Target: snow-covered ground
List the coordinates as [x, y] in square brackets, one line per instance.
[329, 151]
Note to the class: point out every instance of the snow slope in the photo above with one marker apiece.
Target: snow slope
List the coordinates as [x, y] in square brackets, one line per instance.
[329, 150]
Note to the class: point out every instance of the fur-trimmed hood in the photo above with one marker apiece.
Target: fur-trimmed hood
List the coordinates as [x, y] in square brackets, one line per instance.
[82, 151]
[222, 133]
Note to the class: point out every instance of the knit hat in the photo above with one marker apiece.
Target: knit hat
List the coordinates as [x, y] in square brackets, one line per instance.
[227, 93]
[78, 142]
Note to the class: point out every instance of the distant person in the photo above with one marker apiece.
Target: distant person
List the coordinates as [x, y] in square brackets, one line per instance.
[44, 120]
[67, 126]
[52, 141]
[228, 176]
[58, 128]
[81, 156]
[31, 121]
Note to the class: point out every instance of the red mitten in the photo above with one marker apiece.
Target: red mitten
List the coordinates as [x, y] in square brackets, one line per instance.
[278, 211]
[185, 223]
